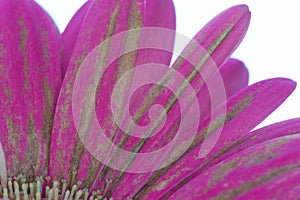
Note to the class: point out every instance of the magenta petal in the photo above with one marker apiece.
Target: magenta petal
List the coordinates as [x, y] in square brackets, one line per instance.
[259, 166]
[244, 111]
[233, 83]
[30, 80]
[217, 41]
[104, 19]
[68, 37]
[234, 77]
[219, 38]
[243, 141]
[286, 186]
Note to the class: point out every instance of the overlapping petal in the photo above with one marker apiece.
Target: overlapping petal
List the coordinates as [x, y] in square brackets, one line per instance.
[233, 83]
[260, 168]
[104, 19]
[69, 36]
[30, 79]
[221, 35]
[245, 110]
[218, 157]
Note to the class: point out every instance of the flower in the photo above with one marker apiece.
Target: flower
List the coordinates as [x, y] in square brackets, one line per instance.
[53, 86]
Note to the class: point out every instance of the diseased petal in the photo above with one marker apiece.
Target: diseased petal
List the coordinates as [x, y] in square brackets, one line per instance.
[68, 37]
[104, 19]
[258, 166]
[30, 79]
[245, 110]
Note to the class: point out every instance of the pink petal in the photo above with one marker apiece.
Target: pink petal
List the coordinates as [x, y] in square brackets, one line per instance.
[254, 167]
[69, 36]
[30, 79]
[235, 77]
[221, 36]
[243, 141]
[104, 19]
[245, 110]
[219, 39]
[286, 186]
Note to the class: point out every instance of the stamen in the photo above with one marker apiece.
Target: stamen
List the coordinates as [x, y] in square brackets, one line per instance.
[55, 184]
[74, 188]
[86, 194]
[47, 190]
[10, 188]
[17, 190]
[67, 195]
[38, 196]
[38, 186]
[92, 196]
[50, 194]
[31, 188]
[24, 189]
[64, 187]
[78, 195]
[108, 182]
[5, 194]
[56, 193]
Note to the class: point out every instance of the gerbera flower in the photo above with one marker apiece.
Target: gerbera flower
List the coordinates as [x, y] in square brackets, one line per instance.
[55, 89]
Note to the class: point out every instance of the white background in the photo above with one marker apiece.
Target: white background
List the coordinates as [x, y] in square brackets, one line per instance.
[270, 48]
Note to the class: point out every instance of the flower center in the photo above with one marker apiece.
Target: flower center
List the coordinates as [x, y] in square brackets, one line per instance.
[43, 188]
